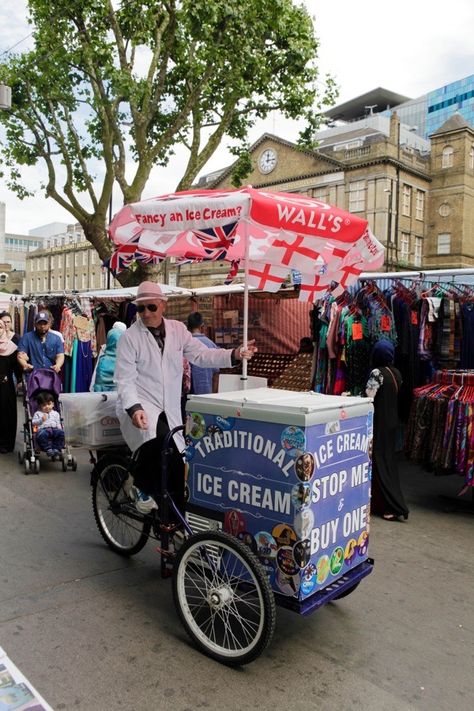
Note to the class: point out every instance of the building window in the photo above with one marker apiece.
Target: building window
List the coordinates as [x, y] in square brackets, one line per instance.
[84, 280]
[471, 158]
[52, 283]
[418, 251]
[53, 261]
[66, 282]
[405, 246]
[444, 243]
[45, 284]
[45, 262]
[406, 201]
[84, 258]
[447, 157]
[357, 196]
[319, 194]
[68, 259]
[420, 204]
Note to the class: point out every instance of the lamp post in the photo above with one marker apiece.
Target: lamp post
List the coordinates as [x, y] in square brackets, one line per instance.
[389, 227]
[397, 193]
[5, 97]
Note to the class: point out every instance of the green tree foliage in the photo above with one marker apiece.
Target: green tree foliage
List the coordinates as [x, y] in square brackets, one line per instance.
[110, 89]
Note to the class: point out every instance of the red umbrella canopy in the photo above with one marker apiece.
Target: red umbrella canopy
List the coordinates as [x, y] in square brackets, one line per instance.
[270, 233]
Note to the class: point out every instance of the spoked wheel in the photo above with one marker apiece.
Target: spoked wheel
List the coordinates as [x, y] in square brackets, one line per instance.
[223, 597]
[123, 529]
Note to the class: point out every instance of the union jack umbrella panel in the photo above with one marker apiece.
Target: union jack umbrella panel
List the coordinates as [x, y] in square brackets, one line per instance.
[270, 234]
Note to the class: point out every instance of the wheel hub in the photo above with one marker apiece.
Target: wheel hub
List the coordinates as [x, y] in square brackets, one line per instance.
[219, 597]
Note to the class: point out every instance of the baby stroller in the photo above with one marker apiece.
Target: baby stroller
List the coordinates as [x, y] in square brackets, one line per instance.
[40, 380]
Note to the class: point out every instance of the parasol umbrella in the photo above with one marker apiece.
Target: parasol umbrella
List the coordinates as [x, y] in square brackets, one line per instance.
[271, 234]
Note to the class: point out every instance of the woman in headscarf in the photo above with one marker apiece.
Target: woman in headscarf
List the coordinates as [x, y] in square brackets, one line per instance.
[383, 385]
[7, 320]
[8, 367]
[105, 368]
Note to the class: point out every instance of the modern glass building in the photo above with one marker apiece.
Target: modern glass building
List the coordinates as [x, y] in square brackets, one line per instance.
[425, 114]
[442, 103]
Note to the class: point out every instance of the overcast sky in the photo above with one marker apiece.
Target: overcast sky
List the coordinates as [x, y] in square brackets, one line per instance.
[417, 51]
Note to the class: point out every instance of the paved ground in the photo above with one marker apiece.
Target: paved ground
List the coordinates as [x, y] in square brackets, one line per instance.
[93, 631]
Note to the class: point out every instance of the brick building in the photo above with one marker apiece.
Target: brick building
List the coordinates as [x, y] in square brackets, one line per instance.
[67, 262]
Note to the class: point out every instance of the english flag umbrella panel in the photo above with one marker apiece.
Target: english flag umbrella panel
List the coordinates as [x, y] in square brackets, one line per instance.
[269, 233]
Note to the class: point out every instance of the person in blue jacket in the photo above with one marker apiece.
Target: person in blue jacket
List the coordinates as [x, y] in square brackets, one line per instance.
[203, 380]
[40, 348]
[105, 368]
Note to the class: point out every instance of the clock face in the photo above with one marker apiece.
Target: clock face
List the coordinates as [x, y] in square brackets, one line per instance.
[267, 161]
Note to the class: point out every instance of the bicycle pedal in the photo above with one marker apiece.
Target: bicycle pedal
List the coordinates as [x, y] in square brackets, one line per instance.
[165, 553]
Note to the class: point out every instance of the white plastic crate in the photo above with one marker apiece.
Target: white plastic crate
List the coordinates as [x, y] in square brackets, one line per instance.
[90, 419]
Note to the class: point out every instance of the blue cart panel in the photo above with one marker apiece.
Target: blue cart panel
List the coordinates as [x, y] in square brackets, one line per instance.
[289, 474]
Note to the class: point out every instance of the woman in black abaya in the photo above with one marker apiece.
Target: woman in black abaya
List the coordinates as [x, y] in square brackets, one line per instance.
[8, 367]
[383, 385]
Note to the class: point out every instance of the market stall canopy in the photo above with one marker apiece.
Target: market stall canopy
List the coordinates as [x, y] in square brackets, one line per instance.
[6, 299]
[131, 292]
[220, 290]
[271, 234]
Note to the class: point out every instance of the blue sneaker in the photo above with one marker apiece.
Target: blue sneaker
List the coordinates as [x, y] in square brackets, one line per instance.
[143, 502]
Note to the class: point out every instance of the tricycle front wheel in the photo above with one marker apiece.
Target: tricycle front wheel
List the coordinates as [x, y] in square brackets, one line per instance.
[123, 529]
[223, 597]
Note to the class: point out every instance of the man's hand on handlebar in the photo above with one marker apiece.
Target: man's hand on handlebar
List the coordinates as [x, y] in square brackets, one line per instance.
[241, 353]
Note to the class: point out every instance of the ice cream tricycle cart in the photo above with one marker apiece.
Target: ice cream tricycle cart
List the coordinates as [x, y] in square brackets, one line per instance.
[277, 512]
[278, 482]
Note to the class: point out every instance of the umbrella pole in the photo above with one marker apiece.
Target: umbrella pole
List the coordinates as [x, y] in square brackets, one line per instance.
[243, 377]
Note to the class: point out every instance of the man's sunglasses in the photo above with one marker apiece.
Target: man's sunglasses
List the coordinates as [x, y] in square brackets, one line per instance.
[151, 307]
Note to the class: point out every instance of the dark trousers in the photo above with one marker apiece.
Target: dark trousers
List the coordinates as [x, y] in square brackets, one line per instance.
[50, 438]
[147, 463]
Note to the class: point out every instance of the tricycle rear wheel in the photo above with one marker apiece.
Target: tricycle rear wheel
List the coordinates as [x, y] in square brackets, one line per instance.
[346, 592]
[223, 597]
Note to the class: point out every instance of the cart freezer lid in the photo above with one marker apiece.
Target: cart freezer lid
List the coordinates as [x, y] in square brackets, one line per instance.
[273, 405]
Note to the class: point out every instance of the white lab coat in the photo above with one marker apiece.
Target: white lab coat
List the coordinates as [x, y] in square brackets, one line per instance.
[145, 376]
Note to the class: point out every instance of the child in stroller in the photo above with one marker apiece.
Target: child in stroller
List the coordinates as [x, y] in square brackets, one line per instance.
[50, 434]
[43, 429]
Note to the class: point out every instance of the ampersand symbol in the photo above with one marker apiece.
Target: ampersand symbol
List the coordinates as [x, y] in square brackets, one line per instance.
[341, 504]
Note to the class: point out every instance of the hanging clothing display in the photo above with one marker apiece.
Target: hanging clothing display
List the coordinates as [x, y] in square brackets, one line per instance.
[344, 330]
[440, 431]
[72, 320]
[431, 326]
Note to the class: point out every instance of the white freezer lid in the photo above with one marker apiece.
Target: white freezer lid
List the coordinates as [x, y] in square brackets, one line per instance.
[276, 405]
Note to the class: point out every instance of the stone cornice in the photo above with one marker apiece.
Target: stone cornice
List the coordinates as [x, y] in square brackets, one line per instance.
[345, 168]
